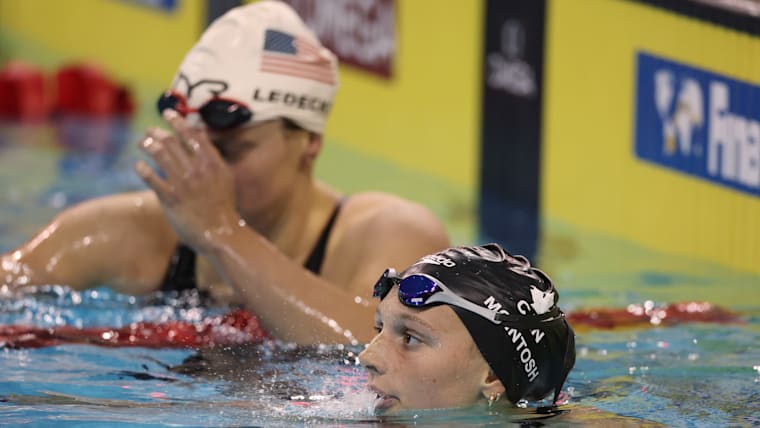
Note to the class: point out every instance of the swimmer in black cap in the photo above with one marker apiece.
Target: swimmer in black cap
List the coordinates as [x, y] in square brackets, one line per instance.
[508, 336]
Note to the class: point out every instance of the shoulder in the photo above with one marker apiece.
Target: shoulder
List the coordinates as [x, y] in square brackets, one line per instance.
[123, 240]
[369, 206]
[377, 212]
[130, 218]
[383, 229]
[132, 207]
[377, 230]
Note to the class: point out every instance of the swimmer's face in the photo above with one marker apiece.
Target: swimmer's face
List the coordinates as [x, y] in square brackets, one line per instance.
[424, 359]
[269, 163]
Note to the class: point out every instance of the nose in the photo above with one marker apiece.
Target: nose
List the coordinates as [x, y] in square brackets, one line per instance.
[369, 357]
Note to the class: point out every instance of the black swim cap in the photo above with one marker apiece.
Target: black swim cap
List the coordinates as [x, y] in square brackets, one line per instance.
[533, 349]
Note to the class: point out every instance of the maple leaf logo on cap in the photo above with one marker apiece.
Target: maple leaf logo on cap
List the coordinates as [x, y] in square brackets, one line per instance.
[542, 300]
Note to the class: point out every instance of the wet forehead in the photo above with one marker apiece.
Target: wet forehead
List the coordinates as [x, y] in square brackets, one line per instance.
[258, 130]
[439, 318]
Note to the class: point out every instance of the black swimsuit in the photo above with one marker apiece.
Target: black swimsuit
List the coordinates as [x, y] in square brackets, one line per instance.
[180, 275]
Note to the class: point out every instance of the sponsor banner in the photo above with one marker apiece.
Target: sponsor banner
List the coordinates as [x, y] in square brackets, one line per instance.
[650, 134]
[361, 33]
[511, 127]
[698, 122]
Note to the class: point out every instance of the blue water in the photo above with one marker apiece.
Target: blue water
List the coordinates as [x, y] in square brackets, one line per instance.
[688, 375]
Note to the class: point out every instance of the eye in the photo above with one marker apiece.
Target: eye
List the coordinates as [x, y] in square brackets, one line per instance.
[410, 339]
[378, 328]
[233, 152]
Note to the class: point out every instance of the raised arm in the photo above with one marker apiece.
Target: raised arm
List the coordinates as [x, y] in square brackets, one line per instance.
[122, 241]
[198, 195]
[338, 307]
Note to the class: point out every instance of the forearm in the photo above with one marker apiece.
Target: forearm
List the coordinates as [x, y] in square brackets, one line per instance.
[291, 303]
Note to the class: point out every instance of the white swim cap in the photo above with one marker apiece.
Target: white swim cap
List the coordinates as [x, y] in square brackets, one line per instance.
[263, 56]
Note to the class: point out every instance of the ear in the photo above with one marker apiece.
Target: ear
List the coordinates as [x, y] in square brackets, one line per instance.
[492, 386]
[313, 146]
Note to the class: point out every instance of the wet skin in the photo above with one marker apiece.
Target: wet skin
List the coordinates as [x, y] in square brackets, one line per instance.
[424, 359]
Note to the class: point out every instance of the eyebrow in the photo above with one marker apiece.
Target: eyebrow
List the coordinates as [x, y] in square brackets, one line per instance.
[223, 144]
[219, 141]
[414, 318]
[227, 138]
[409, 318]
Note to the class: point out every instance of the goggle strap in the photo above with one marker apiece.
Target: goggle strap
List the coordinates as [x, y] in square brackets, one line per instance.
[532, 321]
[446, 297]
[387, 280]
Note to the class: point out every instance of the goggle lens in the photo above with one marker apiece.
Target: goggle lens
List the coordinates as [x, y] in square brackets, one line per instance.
[167, 100]
[415, 290]
[223, 114]
[218, 114]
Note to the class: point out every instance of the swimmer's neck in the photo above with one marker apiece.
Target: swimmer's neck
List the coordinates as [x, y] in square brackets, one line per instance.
[285, 224]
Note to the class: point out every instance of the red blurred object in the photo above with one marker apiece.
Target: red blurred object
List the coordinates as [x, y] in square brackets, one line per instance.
[236, 327]
[649, 314]
[22, 92]
[84, 89]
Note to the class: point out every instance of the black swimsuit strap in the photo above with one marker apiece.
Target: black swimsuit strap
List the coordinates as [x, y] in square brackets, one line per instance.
[314, 262]
[180, 275]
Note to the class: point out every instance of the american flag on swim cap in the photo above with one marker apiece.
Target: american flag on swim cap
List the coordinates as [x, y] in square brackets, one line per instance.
[295, 56]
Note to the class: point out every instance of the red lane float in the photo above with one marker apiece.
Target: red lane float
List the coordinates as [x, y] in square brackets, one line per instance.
[639, 315]
[240, 326]
[235, 327]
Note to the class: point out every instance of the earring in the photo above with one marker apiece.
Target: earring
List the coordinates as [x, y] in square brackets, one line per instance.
[493, 398]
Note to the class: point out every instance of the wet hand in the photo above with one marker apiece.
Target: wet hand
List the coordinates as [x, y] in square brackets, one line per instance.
[197, 192]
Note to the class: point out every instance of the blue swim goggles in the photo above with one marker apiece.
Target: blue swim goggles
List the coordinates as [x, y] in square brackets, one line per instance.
[420, 290]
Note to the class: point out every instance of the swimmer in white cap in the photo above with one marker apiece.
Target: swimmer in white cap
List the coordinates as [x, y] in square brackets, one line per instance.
[247, 108]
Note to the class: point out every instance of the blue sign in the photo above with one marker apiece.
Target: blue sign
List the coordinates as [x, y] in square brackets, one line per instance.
[698, 122]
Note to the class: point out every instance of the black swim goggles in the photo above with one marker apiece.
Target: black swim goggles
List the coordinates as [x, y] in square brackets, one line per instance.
[420, 290]
[219, 114]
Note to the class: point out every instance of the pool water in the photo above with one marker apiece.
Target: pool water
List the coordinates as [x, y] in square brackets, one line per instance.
[687, 375]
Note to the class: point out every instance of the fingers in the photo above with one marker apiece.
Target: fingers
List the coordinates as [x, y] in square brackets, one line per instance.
[183, 156]
[163, 189]
[162, 147]
[176, 153]
[188, 135]
[195, 140]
